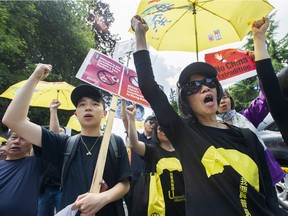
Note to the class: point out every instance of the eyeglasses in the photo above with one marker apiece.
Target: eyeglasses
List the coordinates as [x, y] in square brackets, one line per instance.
[194, 86]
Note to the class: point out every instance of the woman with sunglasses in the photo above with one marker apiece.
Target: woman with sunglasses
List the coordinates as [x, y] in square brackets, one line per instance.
[224, 167]
[160, 156]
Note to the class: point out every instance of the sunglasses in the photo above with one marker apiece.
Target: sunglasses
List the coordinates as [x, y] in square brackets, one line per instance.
[194, 86]
[152, 122]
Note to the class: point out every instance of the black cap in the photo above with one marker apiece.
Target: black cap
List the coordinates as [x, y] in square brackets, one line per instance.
[86, 90]
[150, 118]
[196, 68]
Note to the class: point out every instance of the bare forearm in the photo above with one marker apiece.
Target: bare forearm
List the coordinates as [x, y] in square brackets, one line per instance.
[138, 147]
[15, 116]
[140, 41]
[260, 48]
[17, 111]
[54, 121]
[118, 191]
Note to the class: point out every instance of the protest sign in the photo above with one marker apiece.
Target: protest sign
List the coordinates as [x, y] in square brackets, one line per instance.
[124, 48]
[232, 65]
[109, 75]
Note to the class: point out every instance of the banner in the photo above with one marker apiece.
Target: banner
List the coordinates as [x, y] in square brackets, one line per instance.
[140, 111]
[107, 74]
[232, 65]
[124, 48]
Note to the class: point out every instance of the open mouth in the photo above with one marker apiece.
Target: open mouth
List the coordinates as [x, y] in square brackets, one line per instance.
[88, 116]
[223, 106]
[14, 148]
[208, 99]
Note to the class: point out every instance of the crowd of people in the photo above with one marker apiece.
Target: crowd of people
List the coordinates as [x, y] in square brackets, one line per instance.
[210, 159]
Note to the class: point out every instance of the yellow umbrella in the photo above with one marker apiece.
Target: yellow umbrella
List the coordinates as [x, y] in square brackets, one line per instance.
[73, 123]
[2, 139]
[44, 93]
[196, 25]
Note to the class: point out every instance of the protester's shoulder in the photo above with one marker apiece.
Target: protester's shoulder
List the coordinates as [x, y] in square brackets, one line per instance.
[150, 148]
[118, 140]
[52, 135]
[33, 160]
[239, 115]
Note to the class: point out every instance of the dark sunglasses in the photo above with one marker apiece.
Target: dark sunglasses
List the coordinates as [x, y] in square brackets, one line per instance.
[194, 86]
[152, 122]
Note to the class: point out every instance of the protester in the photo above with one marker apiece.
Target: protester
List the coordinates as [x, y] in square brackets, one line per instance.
[90, 109]
[163, 156]
[226, 113]
[224, 167]
[3, 152]
[50, 193]
[137, 163]
[139, 113]
[276, 92]
[20, 178]
[257, 109]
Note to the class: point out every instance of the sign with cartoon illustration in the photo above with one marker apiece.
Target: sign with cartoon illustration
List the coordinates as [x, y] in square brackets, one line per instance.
[107, 74]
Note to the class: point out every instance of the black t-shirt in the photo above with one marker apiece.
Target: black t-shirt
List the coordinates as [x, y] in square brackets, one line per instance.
[19, 186]
[80, 173]
[137, 163]
[170, 171]
[223, 174]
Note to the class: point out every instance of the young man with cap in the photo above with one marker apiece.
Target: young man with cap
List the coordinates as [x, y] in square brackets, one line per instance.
[90, 109]
[220, 168]
[137, 163]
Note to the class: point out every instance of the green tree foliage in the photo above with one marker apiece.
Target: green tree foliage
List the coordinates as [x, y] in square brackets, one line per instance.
[245, 91]
[173, 99]
[100, 18]
[54, 32]
[17, 30]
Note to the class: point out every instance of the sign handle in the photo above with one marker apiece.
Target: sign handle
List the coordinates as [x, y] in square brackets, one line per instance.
[99, 168]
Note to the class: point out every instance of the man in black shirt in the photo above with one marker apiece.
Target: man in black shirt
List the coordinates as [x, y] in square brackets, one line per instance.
[90, 109]
[137, 163]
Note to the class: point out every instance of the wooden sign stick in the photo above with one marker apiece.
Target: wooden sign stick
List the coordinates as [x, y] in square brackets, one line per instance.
[99, 168]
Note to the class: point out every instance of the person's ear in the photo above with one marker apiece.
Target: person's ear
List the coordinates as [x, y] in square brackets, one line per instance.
[75, 113]
[104, 113]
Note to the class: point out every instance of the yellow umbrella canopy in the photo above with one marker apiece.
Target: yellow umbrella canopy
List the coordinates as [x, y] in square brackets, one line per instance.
[73, 123]
[2, 139]
[191, 25]
[44, 93]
